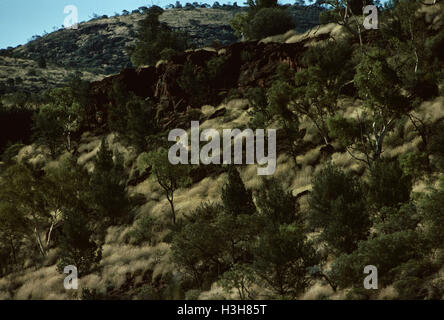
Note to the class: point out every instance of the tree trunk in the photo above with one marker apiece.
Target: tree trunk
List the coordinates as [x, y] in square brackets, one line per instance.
[49, 233]
[173, 212]
[39, 242]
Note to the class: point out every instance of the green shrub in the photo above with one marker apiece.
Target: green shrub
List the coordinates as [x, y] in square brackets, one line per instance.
[387, 252]
[154, 37]
[337, 206]
[388, 186]
[269, 22]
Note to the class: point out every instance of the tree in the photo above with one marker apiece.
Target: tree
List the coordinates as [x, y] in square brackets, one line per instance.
[170, 177]
[239, 24]
[69, 196]
[154, 37]
[282, 256]
[141, 122]
[387, 252]
[269, 22]
[25, 195]
[345, 13]
[432, 207]
[273, 105]
[13, 228]
[240, 277]
[48, 130]
[262, 21]
[383, 105]
[236, 199]
[281, 252]
[76, 245]
[108, 186]
[279, 98]
[435, 146]
[57, 121]
[199, 246]
[239, 222]
[276, 204]
[329, 68]
[337, 206]
[388, 186]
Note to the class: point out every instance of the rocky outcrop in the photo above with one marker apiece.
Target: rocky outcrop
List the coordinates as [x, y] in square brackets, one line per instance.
[245, 65]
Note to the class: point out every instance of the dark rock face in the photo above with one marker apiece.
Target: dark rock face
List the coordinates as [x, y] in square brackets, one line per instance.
[246, 65]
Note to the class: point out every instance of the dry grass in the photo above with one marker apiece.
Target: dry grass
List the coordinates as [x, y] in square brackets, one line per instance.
[318, 291]
[333, 29]
[34, 78]
[121, 259]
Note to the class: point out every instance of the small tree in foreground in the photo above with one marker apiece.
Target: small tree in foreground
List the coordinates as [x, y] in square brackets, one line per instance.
[170, 177]
[77, 247]
[107, 186]
[337, 206]
[283, 256]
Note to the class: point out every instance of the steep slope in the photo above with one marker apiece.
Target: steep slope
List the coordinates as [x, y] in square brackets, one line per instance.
[130, 269]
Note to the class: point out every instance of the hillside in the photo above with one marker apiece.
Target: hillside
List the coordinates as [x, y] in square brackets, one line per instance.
[25, 75]
[358, 180]
[100, 45]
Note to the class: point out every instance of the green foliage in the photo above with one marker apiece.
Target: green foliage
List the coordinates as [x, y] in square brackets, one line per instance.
[347, 131]
[264, 19]
[432, 206]
[282, 257]
[337, 206]
[236, 199]
[219, 235]
[25, 195]
[379, 84]
[11, 151]
[239, 222]
[57, 121]
[140, 123]
[170, 177]
[76, 245]
[414, 164]
[386, 252]
[49, 129]
[194, 81]
[317, 87]
[388, 186]
[278, 206]
[200, 241]
[144, 230]
[394, 219]
[268, 22]
[240, 24]
[435, 146]
[154, 37]
[240, 277]
[412, 280]
[13, 228]
[107, 185]
[279, 98]
[260, 116]
[69, 193]
[282, 254]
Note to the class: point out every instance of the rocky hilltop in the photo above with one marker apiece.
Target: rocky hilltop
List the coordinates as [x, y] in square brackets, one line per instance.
[100, 45]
